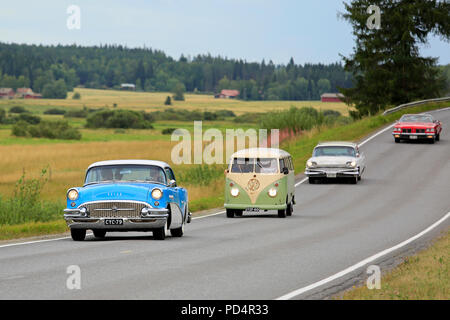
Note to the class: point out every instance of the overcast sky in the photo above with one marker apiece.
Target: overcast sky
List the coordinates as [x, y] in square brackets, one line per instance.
[308, 30]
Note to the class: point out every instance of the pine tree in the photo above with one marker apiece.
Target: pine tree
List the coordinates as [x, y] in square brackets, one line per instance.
[386, 66]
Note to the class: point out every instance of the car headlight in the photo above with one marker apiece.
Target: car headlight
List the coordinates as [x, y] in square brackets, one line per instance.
[234, 192]
[430, 130]
[157, 194]
[351, 164]
[311, 164]
[72, 194]
[272, 192]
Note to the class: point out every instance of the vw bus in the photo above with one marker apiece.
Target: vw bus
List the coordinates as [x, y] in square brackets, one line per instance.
[259, 179]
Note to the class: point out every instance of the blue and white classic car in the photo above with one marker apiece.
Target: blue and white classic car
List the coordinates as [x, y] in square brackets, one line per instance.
[128, 195]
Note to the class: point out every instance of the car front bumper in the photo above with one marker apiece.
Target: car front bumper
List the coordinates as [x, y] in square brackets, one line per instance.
[414, 136]
[332, 173]
[156, 219]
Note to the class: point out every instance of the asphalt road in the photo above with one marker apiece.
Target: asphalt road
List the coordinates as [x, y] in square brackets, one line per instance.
[335, 225]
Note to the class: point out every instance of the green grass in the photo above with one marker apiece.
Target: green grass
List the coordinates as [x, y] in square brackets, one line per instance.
[424, 276]
[30, 229]
[103, 135]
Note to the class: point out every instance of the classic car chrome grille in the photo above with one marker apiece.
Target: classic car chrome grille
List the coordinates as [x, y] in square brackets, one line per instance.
[330, 166]
[115, 209]
[406, 131]
[420, 130]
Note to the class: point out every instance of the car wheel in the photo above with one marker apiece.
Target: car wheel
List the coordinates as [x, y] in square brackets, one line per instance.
[99, 233]
[282, 213]
[312, 180]
[238, 213]
[178, 232]
[397, 140]
[432, 141]
[289, 209]
[354, 180]
[160, 233]
[78, 234]
[230, 213]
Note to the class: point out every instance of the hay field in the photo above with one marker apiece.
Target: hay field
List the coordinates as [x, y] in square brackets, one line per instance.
[151, 101]
[68, 163]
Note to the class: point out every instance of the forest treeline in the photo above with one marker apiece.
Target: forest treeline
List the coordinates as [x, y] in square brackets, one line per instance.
[108, 66]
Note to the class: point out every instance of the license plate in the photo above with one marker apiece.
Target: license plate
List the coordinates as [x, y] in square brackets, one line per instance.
[331, 174]
[252, 209]
[413, 137]
[113, 222]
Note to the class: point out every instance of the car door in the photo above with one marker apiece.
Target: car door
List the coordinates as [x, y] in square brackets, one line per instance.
[177, 195]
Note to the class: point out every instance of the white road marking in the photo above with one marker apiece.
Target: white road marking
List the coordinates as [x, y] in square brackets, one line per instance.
[361, 263]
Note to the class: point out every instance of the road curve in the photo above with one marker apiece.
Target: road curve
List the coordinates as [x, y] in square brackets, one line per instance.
[335, 225]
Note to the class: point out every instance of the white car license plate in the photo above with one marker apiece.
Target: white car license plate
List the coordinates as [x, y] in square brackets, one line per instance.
[252, 209]
[113, 222]
[413, 137]
[331, 174]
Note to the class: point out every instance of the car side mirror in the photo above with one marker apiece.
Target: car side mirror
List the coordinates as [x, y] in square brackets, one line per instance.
[172, 183]
[285, 170]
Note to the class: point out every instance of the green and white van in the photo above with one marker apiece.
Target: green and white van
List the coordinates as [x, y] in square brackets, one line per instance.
[260, 179]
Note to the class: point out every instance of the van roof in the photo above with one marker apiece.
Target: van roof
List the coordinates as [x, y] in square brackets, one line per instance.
[260, 153]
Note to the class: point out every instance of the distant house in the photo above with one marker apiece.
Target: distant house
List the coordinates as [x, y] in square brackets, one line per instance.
[228, 94]
[128, 86]
[332, 97]
[6, 93]
[32, 96]
[23, 92]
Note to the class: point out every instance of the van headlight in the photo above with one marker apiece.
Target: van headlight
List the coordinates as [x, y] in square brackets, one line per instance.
[72, 194]
[351, 164]
[157, 194]
[234, 192]
[272, 192]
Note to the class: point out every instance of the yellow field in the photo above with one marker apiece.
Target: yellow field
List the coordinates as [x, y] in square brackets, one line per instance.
[151, 101]
[68, 163]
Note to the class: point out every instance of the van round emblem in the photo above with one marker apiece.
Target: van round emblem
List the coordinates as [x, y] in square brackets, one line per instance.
[253, 185]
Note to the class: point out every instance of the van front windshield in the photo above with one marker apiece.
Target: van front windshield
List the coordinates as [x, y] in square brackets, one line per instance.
[252, 165]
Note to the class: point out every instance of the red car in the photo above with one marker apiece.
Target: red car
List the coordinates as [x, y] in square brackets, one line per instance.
[417, 127]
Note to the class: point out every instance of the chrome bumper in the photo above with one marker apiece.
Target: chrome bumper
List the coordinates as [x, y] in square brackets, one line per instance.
[330, 173]
[155, 219]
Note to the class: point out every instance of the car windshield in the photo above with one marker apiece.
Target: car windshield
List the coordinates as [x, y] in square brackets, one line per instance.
[334, 151]
[126, 173]
[416, 118]
[252, 165]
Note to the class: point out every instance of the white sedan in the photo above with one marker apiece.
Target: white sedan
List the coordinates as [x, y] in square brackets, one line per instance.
[336, 160]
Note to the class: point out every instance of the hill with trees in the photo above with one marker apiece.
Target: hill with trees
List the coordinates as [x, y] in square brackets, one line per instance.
[44, 68]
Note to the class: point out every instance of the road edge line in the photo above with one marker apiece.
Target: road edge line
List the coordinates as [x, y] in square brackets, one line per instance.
[362, 263]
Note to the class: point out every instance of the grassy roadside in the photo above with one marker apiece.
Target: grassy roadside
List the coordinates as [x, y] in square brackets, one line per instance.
[424, 276]
[300, 148]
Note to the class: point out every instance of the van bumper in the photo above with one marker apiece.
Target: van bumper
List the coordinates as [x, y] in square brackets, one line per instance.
[261, 206]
